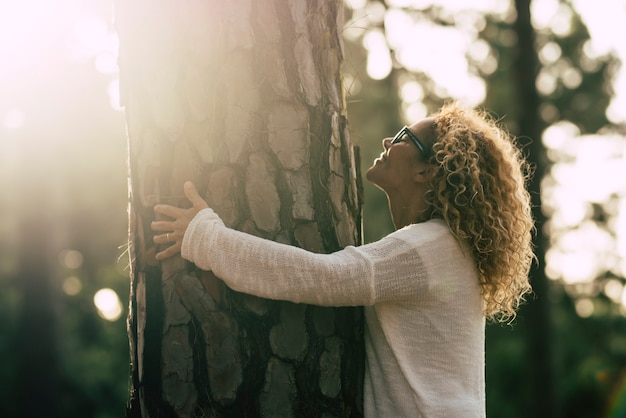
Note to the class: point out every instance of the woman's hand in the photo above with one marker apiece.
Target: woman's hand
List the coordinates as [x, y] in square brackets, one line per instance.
[174, 230]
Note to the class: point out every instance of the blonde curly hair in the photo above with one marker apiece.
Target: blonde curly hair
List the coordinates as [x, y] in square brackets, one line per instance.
[479, 189]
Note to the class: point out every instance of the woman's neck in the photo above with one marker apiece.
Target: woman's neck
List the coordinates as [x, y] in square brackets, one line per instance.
[407, 210]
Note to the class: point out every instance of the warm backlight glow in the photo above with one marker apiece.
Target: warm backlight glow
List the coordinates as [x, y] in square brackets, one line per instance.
[108, 304]
[589, 170]
[444, 60]
[39, 40]
[14, 119]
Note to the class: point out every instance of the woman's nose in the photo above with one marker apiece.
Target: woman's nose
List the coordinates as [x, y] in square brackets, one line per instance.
[387, 142]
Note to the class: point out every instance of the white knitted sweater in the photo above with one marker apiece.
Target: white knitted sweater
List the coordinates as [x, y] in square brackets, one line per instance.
[424, 339]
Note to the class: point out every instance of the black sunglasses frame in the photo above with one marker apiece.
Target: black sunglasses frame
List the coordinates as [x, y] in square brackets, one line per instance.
[406, 131]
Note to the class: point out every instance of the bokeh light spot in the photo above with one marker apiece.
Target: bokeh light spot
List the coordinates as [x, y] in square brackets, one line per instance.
[71, 259]
[378, 59]
[415, 112]
[412, 91]
[108, 304]
[584, 307]
[572, 78]
[72, 286]
[550, 53]
[613, 290]
[546, 82]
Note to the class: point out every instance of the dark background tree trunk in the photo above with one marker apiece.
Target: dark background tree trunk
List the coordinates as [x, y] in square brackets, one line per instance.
[246, 100]
[536, 314]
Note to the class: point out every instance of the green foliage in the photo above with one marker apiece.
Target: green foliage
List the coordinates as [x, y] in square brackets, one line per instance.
[506, 369]
[591, 356]
[94, 351]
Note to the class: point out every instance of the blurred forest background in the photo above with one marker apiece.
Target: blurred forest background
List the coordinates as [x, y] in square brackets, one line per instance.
[63, 181]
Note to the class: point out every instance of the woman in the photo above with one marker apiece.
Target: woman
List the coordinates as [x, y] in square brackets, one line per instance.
[461, 252]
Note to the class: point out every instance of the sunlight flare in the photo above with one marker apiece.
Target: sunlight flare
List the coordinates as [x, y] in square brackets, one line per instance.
[108, 304]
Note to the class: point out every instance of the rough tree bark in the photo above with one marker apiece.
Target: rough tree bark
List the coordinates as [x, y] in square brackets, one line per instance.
[245, 98]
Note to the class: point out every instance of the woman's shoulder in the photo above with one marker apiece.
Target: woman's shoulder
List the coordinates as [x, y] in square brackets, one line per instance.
[432, 229]
[433, 235]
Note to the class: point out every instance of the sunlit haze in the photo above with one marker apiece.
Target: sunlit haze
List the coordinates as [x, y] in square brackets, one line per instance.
[447, 64]
[80, 305]
[62, 144]
[45, 49]
[589, 170]
[37, 41]
[605, 20]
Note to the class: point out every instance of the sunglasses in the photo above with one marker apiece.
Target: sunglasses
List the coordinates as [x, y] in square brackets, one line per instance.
[406, 131]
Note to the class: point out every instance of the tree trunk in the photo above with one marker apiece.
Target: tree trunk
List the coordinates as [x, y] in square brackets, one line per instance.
[537, 312]
[245, 99]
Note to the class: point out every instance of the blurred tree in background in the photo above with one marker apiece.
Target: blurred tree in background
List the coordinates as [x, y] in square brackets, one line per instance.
[71, 145]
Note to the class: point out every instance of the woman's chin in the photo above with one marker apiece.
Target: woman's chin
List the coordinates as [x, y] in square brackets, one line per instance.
[372, 173]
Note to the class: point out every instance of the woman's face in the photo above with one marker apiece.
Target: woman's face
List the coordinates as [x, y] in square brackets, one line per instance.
[399, 165]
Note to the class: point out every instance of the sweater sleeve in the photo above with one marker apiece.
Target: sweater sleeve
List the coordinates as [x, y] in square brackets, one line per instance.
[350, 277]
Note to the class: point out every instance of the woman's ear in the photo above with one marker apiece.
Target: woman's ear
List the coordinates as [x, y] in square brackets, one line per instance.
[423, 173]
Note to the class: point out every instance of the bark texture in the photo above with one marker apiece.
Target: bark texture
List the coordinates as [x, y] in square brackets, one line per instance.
[244, 98]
